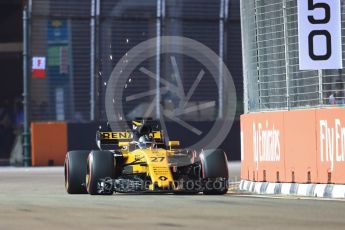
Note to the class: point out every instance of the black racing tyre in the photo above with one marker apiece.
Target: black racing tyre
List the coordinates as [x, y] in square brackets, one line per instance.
[215, 172]
[100, 165]
[75, 171]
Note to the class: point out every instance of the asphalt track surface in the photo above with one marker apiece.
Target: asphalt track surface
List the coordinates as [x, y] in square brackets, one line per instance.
[36, 199]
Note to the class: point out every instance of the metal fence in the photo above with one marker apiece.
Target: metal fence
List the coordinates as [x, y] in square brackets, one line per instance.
[272, 79]
[83, 40]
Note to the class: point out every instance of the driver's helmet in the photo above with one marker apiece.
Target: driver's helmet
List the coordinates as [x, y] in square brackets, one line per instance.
[136, 125]
[141, 129]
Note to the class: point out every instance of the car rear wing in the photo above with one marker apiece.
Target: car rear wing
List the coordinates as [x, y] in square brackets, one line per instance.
[111, 140]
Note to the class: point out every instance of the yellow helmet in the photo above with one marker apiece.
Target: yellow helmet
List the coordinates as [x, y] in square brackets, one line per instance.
[136, 124]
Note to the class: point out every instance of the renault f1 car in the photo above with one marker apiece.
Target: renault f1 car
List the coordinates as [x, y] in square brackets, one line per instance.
[140, 161]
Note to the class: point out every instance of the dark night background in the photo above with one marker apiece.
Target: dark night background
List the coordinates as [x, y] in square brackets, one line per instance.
[10, 68]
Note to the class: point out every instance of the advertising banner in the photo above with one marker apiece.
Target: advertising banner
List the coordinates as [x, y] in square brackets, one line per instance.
[303, 146]
[262, 146]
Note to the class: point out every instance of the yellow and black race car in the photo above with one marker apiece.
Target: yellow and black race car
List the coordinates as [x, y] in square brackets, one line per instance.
[140, 161]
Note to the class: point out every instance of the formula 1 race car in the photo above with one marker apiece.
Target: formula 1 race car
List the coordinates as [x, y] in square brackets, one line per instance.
[140, 161]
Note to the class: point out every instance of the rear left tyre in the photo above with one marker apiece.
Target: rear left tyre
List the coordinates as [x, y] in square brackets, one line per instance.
[75, 171]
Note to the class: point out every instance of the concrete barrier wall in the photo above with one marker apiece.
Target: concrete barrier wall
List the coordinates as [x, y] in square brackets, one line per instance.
[302, 146]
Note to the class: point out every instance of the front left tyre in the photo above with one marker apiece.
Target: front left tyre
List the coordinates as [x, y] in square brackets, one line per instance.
[75, 171]
[215, 172]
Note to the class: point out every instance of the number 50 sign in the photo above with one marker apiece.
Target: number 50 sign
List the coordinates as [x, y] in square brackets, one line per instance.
[319, 34]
